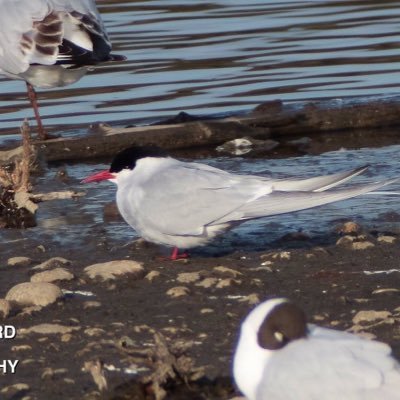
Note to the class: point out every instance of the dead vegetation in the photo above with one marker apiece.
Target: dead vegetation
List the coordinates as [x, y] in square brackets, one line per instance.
[17, 204]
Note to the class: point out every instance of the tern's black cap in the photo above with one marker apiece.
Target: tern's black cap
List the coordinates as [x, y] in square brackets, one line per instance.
[126, 159]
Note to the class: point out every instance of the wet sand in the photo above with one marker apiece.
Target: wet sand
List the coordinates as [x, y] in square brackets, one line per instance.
[115, 321]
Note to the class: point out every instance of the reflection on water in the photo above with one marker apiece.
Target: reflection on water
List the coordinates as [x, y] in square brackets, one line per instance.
[224, 55]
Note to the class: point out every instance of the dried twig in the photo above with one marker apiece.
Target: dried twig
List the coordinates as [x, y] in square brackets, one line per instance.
[26, 159]
[95, 368]
[66, 194]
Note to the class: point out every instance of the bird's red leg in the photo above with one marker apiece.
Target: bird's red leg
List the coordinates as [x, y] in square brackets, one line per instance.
[32, 97]
[176, 256]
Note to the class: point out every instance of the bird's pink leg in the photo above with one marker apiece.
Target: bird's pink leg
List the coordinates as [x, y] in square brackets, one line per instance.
[176, 256]
[32, 97]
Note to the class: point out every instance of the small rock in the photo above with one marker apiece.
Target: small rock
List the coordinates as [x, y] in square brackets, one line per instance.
[386, 239]
[280, 255]
[50, 372]
[227, 271]
[349, 228]
[223, 283]
[54, 262]
[345, 240]
[53, 275]
[66, 337]
[370, 316]
[206, 311]
[19, 261]
[112, 269]
[17, 387]
[385, 290]
[178, 291]
[152, 275]
[362, 245]
[188, 277]
[5, 308]
[21, 347]
[252, 299]
[207, 282]
[41, 248]
[91, 304]
[49, 329]
[94, 332]
[34, 294]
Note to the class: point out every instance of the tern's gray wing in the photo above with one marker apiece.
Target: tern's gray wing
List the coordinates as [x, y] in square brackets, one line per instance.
[331, 368]
[183, 198]
[279, 202]
[318, 183]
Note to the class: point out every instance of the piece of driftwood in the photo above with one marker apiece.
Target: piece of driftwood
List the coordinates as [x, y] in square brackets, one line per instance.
[272, 120]
[108, 141]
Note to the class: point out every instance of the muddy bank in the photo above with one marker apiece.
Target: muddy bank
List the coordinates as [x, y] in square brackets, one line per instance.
[195, 305]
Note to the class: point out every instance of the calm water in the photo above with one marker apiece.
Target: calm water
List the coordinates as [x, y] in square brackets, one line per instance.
[80, 223]
[217, 56]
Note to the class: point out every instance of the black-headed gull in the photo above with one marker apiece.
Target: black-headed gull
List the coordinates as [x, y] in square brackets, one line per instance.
[50, 43]
[281, 357]
[186, 204]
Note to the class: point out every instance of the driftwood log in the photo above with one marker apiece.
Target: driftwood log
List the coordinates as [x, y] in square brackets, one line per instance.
[271, 120]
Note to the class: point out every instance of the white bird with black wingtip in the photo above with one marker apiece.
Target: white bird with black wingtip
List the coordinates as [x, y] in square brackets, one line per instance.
[50, 43]
[281, 357]
[187, 204]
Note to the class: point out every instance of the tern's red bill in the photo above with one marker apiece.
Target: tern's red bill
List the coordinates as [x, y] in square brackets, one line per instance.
[100, 176]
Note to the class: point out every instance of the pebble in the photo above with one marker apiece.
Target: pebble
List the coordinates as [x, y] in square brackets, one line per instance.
[178, 291]
[49, 373]
[94, 332]
[207, 282]
[280, 255]
[385, 290]
[17, 387]
[53, 262]
[371, 316]
[112, 269]
[349, 228]
[362, 245]
[91, 304]
[53, 275]
[66, 337]
[386, 239]
[252, 299]
[345, 240]
[21, 347]
[189, 277]
[227, 271]
[19, 261]
[49, 329]
[34, 294]
[223, 283]
[152, 275]
[5, 308]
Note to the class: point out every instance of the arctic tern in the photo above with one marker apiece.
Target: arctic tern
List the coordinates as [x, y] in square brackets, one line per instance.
[279, 356]
[187, 204]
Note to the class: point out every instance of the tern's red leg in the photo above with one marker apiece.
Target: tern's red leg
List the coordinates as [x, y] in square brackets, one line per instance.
[176, 256]
[33, 100]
